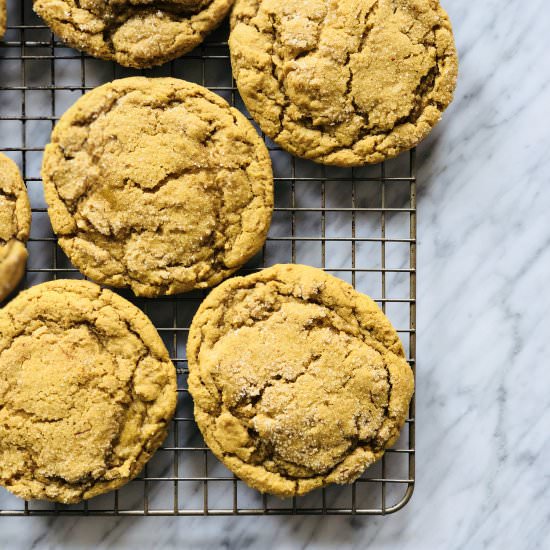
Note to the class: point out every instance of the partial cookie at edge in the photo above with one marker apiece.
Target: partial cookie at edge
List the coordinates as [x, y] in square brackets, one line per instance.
[3, 17]
[15, 223]
[139, 35]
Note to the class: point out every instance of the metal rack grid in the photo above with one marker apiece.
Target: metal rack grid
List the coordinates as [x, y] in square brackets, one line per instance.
[357, 224]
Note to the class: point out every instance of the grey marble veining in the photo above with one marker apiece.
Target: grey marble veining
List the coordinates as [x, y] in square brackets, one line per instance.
[483, 399]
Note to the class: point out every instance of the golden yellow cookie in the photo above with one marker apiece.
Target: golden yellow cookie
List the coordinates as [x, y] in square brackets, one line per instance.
[87, 391]
[298, 380]
[344, 82]
[15, 225]
[3, 17]
[134, 33]
[157, 184]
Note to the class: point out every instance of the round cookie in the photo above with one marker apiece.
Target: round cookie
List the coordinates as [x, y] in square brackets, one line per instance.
[15, 225]
[87, 391]
[157, 184]
[134, 33]
[298, 380]
[345, 82]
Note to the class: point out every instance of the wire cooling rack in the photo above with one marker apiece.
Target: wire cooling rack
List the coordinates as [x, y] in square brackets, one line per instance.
[359, 225]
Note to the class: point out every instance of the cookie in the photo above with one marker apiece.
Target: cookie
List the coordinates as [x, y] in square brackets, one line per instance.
[3, 17]
[345, 82]
[87, 391]
[298, 380]
[15, 225]
[157, 184]
[134, 33]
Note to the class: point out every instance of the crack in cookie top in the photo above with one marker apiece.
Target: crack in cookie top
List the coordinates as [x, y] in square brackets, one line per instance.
[157, 184]
[134, 33]
[87, 391]
[15, 224]
[298, 380]
[344, 82]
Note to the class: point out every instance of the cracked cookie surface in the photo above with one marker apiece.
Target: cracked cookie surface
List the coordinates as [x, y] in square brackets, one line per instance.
[157, 184]
[344, 82]
[134, 33]
[87, 391]
[15, 225]
[298, 380]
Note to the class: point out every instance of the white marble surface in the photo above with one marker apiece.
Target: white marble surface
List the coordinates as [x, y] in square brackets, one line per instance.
[483, 405]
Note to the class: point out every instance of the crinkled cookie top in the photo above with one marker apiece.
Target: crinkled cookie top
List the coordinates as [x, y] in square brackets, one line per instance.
[157, 184]
[87, 391]
[134, 33]
[298, 380]
[344, 82]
